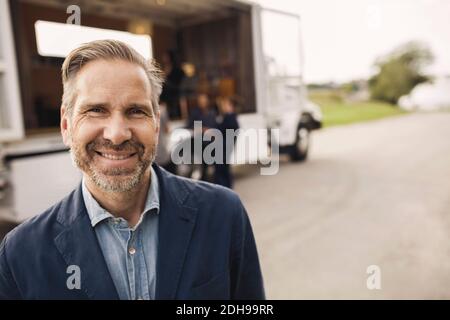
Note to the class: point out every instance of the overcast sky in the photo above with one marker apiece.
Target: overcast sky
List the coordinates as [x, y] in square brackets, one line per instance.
[342, 38]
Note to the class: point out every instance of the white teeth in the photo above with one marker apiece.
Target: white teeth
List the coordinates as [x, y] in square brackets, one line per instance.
[114, 157]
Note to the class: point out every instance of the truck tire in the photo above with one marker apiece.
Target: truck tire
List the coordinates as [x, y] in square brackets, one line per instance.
[299, 150]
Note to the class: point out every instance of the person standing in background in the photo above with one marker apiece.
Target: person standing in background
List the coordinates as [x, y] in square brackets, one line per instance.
[227, 120]
[174, 76]
[203, 113]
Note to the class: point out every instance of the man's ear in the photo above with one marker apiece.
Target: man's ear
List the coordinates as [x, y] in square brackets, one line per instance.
[65, 122]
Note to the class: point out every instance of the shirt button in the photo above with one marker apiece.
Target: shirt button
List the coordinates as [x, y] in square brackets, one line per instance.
[132, 250]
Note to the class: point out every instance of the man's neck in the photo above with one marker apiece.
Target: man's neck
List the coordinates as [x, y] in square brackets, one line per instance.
[127, 205]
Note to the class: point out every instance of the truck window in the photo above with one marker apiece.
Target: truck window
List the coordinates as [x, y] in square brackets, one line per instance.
[54, 39]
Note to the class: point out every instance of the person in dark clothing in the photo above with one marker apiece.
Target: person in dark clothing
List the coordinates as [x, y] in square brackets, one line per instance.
[222, 171]
[203, 113]
[170, 94]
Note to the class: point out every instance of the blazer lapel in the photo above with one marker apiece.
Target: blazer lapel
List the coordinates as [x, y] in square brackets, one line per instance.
[176, 223]
[78, 245]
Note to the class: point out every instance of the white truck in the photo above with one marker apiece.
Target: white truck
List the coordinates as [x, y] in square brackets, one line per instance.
[239, 46]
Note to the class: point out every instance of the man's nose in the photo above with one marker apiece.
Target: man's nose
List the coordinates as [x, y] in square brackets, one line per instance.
[117, 129]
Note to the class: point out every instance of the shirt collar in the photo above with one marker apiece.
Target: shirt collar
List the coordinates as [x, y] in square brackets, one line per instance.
[97, 213]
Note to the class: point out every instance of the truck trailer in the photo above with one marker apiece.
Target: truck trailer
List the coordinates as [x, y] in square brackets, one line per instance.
[231, 47]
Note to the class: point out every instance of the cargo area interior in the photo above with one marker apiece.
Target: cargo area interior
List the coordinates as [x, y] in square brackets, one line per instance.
[212, 38]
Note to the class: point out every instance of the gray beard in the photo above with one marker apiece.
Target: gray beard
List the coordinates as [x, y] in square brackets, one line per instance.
[113, 181]
[109, 183]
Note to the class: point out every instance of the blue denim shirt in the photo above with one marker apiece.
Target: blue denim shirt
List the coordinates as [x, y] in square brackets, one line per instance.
[130, 253]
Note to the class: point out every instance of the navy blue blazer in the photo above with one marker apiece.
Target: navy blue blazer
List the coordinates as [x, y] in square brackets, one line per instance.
[206, 249]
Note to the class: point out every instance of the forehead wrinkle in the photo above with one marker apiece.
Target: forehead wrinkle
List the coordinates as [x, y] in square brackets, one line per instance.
[103, 86]
[128, 86]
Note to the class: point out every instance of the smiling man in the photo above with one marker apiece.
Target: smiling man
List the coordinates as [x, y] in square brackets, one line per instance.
[130, 230]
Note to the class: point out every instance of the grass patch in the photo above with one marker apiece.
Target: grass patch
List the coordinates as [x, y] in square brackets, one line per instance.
[336, 111]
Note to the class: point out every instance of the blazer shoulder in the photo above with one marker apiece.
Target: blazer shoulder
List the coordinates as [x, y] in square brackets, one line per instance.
[202, 191]
[213, 202]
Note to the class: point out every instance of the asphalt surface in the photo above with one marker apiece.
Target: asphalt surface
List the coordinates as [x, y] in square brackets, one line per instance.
[374, 193]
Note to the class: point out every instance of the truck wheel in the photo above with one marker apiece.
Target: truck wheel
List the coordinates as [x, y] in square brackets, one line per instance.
[299, 151]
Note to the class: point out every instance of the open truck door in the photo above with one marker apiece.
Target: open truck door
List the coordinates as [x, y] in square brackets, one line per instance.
[282, 97]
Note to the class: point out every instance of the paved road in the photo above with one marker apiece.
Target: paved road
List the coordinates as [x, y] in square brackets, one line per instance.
[376, 193]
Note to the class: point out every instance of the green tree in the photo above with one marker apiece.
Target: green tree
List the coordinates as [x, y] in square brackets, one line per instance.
[400, 71]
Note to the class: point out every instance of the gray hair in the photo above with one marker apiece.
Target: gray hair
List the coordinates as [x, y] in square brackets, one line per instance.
[106, 49]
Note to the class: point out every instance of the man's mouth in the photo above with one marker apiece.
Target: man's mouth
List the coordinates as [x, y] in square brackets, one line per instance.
[116, 156]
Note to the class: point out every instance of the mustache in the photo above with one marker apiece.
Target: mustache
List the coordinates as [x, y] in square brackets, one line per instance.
[126, 146]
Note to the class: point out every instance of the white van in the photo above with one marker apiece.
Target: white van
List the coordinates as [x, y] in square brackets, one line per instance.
[255, 52]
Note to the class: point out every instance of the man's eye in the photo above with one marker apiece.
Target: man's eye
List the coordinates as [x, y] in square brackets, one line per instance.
[96, 110]
[137, 112]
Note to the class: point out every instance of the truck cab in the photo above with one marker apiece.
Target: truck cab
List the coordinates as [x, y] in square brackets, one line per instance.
[241, 48]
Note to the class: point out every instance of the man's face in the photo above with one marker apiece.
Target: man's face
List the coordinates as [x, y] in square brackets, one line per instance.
[113, 131]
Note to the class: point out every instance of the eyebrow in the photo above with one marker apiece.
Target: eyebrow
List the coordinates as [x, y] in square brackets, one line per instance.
[86, 106]
[89, 105]
[146, 106]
